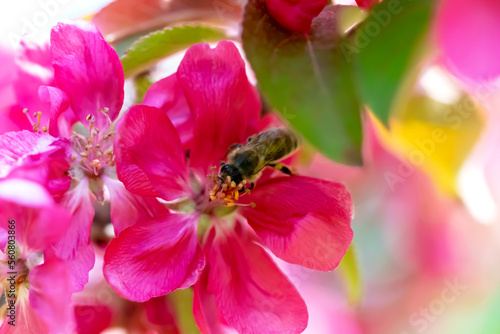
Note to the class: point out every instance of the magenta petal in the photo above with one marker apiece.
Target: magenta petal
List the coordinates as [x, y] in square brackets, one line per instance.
[302, 220]
[168, 96]
[204, 307]
[88, 70]
[295, 15]
[38, 157]
[152, 258]
[150, 160]
[127, 208]
[50, 292]
[92, 319]
[250, 292]
[160, 311]
[75, 246]
[225, 105]
[468, 32]
[61, 117]
[33, 210]
[34, 69]
[12, 118]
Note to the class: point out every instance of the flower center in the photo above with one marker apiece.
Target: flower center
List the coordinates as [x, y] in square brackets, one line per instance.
[227, 192]
[94, 152]
[15, 269]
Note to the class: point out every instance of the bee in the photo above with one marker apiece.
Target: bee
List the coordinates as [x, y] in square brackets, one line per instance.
[245, 162]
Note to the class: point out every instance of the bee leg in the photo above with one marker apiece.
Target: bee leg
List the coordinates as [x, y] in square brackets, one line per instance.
[252, 185]
[222, 163]
[232, 148]
[282, 168]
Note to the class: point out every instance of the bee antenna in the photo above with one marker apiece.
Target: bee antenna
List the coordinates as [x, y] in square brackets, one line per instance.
[220, 187]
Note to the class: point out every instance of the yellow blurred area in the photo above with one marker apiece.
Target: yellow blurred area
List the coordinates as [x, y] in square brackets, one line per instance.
[435, 137]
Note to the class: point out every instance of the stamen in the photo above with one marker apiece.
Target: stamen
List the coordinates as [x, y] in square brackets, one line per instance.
[36, 126]
[97, 163]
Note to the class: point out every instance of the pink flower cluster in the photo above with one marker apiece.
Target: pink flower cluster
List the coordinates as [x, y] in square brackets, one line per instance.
[155, 165]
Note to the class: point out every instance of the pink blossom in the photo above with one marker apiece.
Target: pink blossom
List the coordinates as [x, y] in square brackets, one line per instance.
[213, 243]
[78, 78]
[98, 308]
[36, 281]
[295, 15]
[467, 32]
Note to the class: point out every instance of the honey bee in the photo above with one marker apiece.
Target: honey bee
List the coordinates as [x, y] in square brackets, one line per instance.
[246, 162]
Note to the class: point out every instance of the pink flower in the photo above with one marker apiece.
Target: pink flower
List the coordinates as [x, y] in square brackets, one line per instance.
[35, 280]
[81, 80]
[201, 241]
[38, 157]
[467, 32]
[98, 308]
[295, 15]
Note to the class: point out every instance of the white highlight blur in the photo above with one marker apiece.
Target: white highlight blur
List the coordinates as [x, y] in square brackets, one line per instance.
[438, 85]
[474, 191]
[33, 19]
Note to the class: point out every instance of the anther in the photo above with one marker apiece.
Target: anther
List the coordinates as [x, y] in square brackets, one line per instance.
[36, 126]
[97, 163]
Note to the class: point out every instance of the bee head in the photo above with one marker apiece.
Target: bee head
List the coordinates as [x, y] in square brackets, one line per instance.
[232, 172]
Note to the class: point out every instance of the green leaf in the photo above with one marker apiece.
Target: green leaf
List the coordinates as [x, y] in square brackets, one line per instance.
[384, 50]
[350, 272]
[307, 79]
[151, 48]
[183, 304]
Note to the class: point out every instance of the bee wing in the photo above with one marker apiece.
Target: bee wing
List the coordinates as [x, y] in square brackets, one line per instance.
[269, 147]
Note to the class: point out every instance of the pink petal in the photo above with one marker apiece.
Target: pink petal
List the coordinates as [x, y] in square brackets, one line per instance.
[38, 157]
[127, 208]
[467, 32]
[160, 311]
[150, 160]
[75, 246]
[91, 319]
[88, 70]
[50, 291]
[168, 96]
[152, 258]
[204, 307]
[250, 292]
[34, 69]
[12, 118]
[26, 320]
[302, 220]
[295, 15]
[225, 105]
[62, 117]
[33, 210]
[7, 77]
